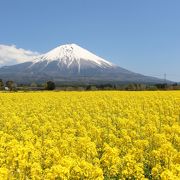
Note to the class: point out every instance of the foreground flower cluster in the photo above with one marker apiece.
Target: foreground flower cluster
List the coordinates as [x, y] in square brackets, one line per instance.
[90, 135]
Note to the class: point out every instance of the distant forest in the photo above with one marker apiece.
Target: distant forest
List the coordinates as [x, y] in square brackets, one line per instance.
[50, 85]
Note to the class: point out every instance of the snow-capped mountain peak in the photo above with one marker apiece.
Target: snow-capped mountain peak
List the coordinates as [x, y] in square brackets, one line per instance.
[71, 63]
[70, 54]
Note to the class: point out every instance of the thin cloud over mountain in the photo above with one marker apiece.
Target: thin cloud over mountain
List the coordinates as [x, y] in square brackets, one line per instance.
[10, 55]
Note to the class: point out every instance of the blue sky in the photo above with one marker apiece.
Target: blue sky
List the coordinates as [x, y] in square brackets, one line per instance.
[140, 35]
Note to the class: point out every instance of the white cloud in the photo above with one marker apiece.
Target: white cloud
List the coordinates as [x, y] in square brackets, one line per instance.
[10, 55]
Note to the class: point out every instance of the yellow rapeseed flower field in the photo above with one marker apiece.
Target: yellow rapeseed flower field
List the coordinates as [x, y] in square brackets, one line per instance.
[90, 135]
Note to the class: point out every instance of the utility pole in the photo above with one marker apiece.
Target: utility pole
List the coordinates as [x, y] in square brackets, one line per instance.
[165, 77]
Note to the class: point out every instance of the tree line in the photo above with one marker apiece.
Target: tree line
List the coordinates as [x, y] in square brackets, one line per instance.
[12, 86]
[50, 85]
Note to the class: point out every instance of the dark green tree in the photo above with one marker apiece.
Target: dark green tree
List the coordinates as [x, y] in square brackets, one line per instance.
[50, 85]
[11, 85]
[1, 84]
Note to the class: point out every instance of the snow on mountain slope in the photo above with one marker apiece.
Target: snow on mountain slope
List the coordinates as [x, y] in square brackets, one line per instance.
[71, 63]
[72, 55]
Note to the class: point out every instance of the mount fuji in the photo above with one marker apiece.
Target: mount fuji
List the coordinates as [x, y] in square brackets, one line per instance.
[71, 63]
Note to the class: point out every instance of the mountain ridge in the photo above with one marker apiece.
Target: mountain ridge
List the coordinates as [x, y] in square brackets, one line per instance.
[71, 62]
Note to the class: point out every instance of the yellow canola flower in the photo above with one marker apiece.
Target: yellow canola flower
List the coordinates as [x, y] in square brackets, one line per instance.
[90, 135]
